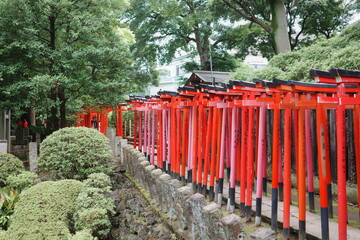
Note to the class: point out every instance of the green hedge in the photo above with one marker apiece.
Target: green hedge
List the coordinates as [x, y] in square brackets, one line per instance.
[9, 165]
[94, 206]
[75, 153]
[45, 211]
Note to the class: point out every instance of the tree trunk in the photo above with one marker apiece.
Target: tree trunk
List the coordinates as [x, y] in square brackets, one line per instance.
[279, 26]
[61, 95]
[32, 115]
[54, 120]
[202, 50]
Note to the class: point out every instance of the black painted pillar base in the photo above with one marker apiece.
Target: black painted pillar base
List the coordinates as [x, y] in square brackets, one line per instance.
[232, 199]
[258, 212]
[242, 209]
[169, 168]
[281, 192]
[286, 233]
[220, 191]
[248, 213]
[274, 208]
[324, 223]
[302, 230]
[164, 166]
[311, 202]
[189, 176]
[211, 193]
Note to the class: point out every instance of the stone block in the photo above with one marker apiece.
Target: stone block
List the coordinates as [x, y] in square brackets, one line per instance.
[186, 191]
[232, 225]
[118, 149]
[156, 172]
[263, 234]
[3, 146]
[165, 177]
[33, 156]
[212, 208]
[142, 158]
[145, 163]
[111, 134]
[149, 168]
[175, 183]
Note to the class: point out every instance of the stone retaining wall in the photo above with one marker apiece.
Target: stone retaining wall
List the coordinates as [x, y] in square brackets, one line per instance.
[189, 214]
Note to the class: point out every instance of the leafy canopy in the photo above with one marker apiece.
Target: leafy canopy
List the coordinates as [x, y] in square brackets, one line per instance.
[341, 51]
[164, 28]
[58, 55]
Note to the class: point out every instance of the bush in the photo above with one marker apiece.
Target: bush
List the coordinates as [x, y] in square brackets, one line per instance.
[75, 152]
[22, 181]
[96, 219]
[48, 208]
[95, 206]
[83, 235]
[9, 165]
[98, 180]
[41, 230]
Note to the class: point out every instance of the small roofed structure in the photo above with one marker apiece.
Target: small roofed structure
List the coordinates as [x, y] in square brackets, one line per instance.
[207, 77]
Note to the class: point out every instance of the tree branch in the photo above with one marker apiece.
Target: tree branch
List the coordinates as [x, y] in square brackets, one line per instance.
[248, 15]
[299, 33]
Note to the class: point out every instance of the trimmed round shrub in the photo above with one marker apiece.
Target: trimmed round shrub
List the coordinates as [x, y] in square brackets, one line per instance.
[83, 235]
[9, 165]
[94, 206]
[45, 211]
[22, 181]
[75, 153]
[42, 230]
[99, 180]
[96, 219]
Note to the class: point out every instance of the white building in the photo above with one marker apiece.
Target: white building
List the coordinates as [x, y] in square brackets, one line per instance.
[257, 62]
[171, 75]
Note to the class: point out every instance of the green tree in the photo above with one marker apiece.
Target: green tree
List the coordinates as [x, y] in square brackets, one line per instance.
[59, 54]
[164, 27]
[289, 24]
[340, 51]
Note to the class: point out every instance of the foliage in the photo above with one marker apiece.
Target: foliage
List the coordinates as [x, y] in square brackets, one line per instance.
[22, 181]
[94, 206]
[128, 115]
[8, 198]
[306, 20]
[96, 219]
[83, 235]
[59, 55]
[9, 165]
[244, 72]
[164, 28]
[341, 51]
[75, 153]
[98, 180]
[53, 230]
[48, 206]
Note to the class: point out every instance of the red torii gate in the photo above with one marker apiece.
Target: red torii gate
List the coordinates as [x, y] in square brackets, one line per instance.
[97, 117]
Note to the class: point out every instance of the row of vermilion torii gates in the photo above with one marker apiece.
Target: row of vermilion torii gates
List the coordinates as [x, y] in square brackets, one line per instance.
[289, 127]
[97, 117]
